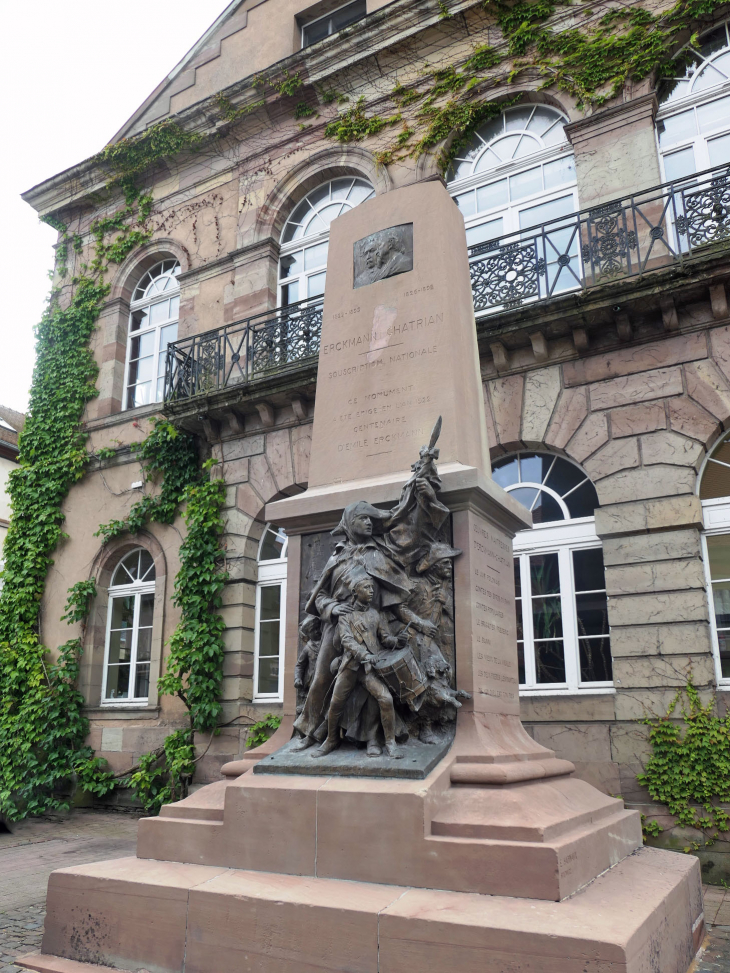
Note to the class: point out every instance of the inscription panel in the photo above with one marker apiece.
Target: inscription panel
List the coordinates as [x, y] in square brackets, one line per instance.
[486, 626]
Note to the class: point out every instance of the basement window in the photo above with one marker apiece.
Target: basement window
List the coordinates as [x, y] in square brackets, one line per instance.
[330, 23]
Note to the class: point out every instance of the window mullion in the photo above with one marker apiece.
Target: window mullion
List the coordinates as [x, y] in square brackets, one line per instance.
[133, 653]
[282, 615]
[711, 609]
[570, 618]
[527, 626]
[105, 680]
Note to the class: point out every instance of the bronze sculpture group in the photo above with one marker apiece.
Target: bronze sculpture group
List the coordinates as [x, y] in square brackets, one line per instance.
[376, 659]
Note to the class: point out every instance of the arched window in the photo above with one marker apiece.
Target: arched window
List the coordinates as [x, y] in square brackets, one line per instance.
[152, 326]
[693, 123]
[305, 237]
[268, 669]
[517, 171]
[714, 490]
[562, 615]
[129, 629]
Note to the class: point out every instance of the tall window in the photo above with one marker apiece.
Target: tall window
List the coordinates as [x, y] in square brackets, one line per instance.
[342, 16]
[152, 326]
[517, 171]
[693, 123]
[562, 614]
[268, 670]
[305, 238]
[129, 629]
[714, 489]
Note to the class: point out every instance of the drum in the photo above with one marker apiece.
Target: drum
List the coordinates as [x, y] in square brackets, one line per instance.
[402, 674]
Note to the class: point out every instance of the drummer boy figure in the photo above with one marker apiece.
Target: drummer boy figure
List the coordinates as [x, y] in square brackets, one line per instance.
[362, 633]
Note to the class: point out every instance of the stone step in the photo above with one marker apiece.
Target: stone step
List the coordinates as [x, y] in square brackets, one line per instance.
[480, 812]
[206, 804]
[643, 914]
[40, 963]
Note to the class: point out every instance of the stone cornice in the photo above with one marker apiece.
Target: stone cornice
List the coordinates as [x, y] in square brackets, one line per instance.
[382, 29]
[610, 119]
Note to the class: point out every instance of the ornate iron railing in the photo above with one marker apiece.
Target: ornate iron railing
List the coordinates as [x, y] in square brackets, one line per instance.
[622, 238]
[243, 351]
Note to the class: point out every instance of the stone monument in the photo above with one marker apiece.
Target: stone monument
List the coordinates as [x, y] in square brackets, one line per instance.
[401, 820]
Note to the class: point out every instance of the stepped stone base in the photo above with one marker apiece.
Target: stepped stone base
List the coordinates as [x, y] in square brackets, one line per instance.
[644, 915]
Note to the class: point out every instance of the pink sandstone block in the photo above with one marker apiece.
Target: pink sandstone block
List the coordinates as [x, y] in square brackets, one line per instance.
[640, 358]
[570, 411]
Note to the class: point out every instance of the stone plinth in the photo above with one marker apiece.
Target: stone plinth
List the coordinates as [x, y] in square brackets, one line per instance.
[644, 914]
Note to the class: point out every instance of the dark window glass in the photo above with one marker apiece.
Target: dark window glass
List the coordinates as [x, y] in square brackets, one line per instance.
[272, 545]
[117, 682]
[583, 502]
[588, 570]
[544, 574]
[534, 467]
[142, 681]
[518, 582]
[564, 476]
[546, 510]
[524, 495]
[592, 614]
[506, 472]
[723, 639]
[521, 662]
[549, 662]
[270, 602]
[595, 660]
[268, 681]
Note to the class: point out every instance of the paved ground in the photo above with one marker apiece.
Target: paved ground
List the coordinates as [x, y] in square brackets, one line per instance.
[33, 851]
[30, 854]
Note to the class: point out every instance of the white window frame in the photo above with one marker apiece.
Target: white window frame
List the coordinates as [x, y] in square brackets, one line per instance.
[698, 142]
[327, 16]
[302, 243]
[138, 305]
[270, 573]
[561, 538]
[137, 589]
[510, 212]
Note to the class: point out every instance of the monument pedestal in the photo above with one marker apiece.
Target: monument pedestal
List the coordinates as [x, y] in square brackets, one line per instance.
[496, 859]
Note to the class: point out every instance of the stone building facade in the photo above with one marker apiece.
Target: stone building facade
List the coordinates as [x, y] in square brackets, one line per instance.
[600, 264]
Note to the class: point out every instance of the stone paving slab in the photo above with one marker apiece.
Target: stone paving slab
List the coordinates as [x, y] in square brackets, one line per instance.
[32, 851]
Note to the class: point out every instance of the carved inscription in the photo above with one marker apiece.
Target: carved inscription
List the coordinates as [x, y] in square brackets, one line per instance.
[493, 616]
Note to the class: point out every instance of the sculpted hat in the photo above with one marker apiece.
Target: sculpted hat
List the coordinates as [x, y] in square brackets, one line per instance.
[437, 552]
[354, 510]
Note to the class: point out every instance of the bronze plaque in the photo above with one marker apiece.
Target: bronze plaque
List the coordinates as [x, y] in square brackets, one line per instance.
[383, 254]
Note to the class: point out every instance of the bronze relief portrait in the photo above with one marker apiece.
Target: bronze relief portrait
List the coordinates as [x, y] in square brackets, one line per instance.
[383, 254]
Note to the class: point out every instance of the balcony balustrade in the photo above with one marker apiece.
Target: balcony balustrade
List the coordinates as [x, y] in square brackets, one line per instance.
[243, 351]
[626, 237]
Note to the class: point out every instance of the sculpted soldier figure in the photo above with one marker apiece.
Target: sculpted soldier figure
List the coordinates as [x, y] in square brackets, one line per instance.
[331, 599]
[384, 668]
[310, 633]
[362, 633]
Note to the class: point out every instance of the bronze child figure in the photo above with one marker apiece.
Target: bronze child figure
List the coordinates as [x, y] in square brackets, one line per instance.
[363, 632]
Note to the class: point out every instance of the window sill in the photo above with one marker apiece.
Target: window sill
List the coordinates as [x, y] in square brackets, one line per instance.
[130, 711]
[600, 691]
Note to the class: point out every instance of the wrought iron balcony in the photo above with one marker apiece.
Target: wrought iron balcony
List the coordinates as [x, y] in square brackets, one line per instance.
[243, 351]
[625, 237]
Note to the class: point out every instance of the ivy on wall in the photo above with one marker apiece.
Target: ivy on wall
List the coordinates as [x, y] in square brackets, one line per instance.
[592, 63]
[689, 768]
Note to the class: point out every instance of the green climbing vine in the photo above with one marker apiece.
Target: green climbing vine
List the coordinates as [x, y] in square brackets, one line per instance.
[591, 62]
[193, 671]
[689, 768]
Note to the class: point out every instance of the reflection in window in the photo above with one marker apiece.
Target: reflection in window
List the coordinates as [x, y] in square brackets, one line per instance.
[714, 491]
[317, 30]
[305, 238]
[563, 638]
[693, 124]
[549, 486]
[152, 326]
[129, 629]
[517, 173]
[270, 603]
